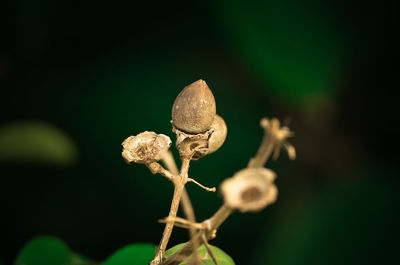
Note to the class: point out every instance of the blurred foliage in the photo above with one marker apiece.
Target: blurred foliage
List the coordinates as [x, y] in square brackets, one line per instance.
[134, 254]
[47, 250]
[44, 251]
[34, 141]
[293, 47]
[205, 258]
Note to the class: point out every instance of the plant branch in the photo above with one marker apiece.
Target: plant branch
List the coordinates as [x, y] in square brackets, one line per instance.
[169, 226]
[266, 147]
[215, 221]
[182, 222]
[179, 183]
[209, 250]
[213, 189]
[157, 168]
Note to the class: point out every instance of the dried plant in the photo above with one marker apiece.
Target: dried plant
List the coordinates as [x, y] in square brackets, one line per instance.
[199, 132]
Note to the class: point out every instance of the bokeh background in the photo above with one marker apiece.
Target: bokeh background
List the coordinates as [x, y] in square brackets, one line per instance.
[78, 77]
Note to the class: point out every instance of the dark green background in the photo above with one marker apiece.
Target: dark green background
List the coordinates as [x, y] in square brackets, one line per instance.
[101, 71]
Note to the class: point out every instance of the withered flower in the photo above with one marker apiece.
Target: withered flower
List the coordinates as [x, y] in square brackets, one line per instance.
[146, 147]
[279, 136]
[250, 189]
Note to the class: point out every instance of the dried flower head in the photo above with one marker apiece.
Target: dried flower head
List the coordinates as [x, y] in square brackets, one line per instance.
[250, 189]
[146, 147]
[279, 135]
[194, 108]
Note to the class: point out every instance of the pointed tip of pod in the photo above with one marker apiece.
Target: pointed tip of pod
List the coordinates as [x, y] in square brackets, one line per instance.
[194, 108]
[199, 82]
[198, 88]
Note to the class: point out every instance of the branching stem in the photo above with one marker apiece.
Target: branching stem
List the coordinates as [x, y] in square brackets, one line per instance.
[211, 225]
[170, 163]
[179, 194]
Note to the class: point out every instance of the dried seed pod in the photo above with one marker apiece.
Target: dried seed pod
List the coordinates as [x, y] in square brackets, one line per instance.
[218, 136]
[194, 108]
[250, 189]
[146, 147]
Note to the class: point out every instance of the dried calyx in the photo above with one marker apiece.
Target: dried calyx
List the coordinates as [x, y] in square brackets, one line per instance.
[250, 189]
[145, 148]
[192, 146]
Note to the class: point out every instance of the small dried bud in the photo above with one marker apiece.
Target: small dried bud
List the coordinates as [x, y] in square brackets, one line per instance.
[146, 147]
[194, 108]
[250, 189]
[218, 136]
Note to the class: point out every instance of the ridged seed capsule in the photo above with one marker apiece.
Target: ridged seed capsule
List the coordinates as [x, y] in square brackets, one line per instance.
[194, 108]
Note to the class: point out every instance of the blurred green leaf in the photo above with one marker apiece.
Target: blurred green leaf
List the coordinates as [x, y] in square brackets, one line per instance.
[34, 141]
[135, 254]
[222, 257]
[44, 251]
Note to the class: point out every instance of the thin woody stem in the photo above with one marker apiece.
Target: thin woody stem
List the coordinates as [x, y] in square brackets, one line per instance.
[215, 221]
[188, 210]
[209, 250]
[157, 168]
[169, 226]
[266, 148]
[179, 183]
[170, 163]
[182, 222]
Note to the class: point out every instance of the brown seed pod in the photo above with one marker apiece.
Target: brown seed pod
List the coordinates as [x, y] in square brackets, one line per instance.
[194, 108]
[218, 136]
